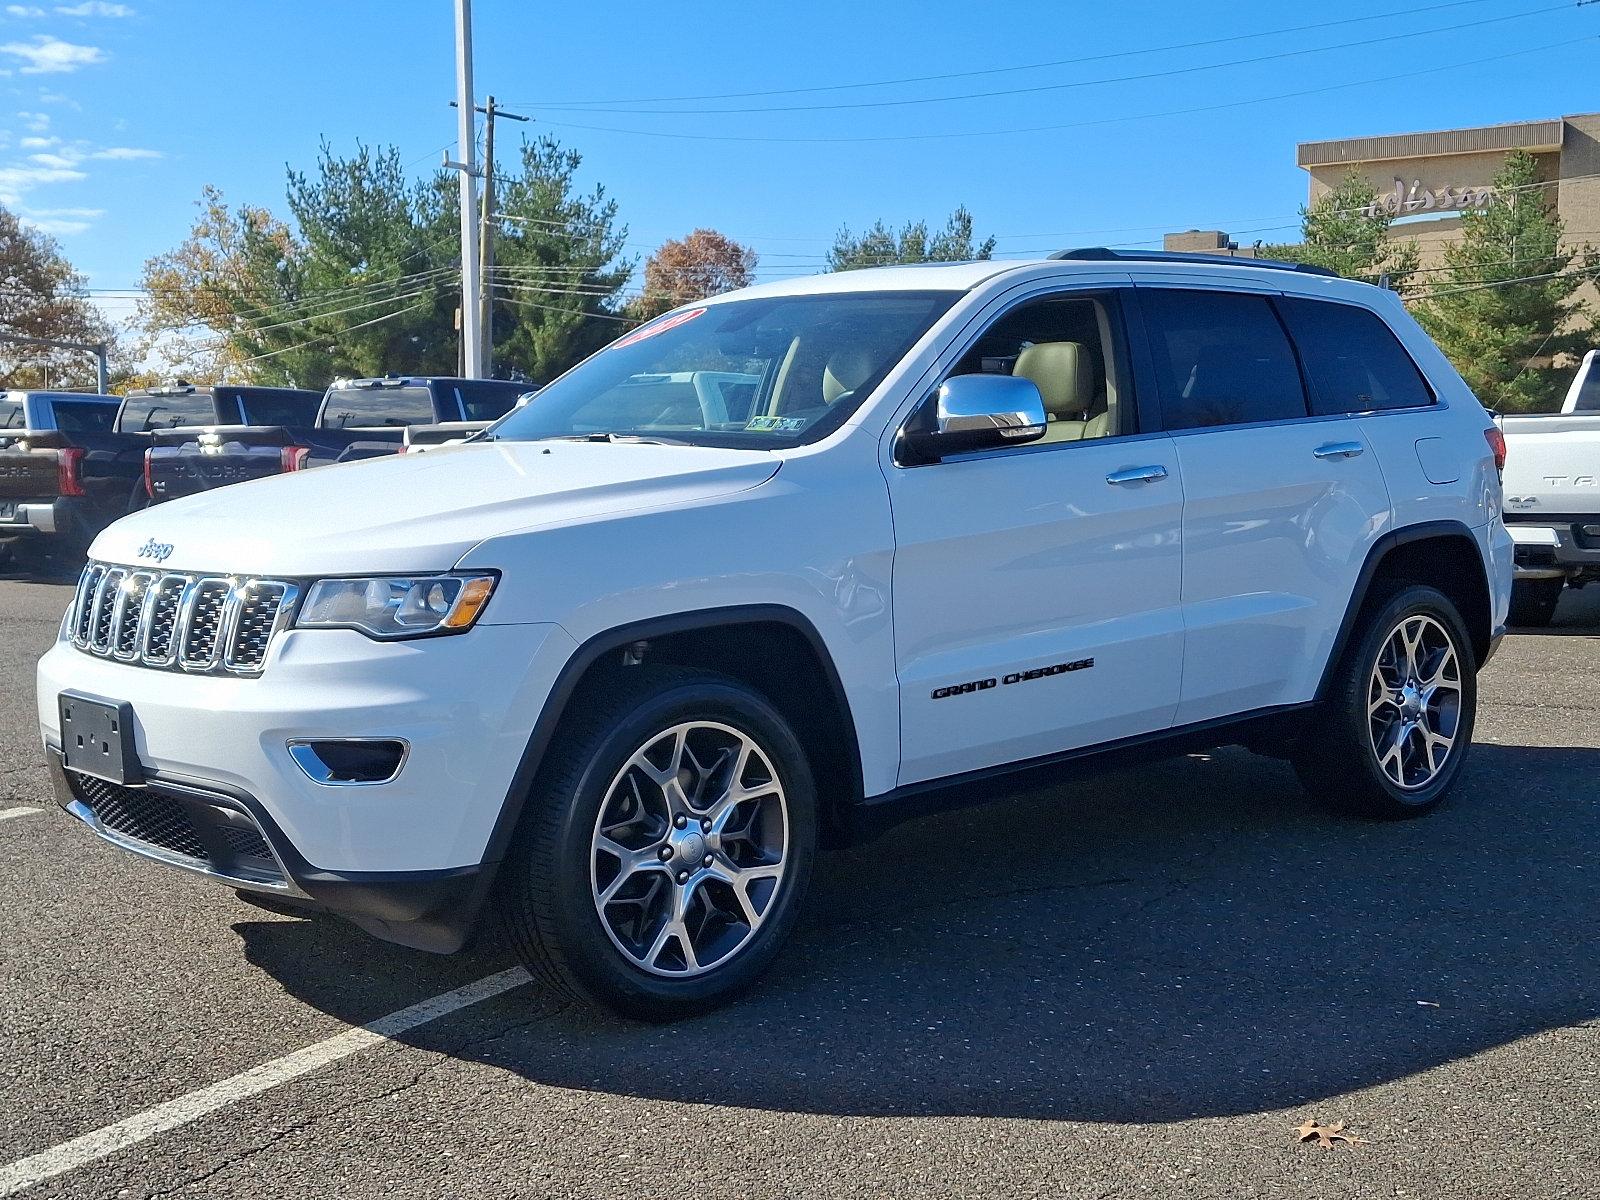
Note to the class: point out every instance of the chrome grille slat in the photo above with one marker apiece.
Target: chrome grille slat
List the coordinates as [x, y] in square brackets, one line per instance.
[202, 624]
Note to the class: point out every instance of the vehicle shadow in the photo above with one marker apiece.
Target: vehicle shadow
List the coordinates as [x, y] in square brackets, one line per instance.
[1185, 939]
[1578, 615]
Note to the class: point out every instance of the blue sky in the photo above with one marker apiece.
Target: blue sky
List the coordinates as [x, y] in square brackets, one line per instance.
[119, 113]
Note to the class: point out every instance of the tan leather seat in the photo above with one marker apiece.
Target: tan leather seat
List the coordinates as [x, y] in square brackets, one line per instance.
[846, 370]
[1065, 376]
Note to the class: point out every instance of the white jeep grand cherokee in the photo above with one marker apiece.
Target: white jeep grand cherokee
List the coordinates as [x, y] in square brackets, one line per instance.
[787, 565]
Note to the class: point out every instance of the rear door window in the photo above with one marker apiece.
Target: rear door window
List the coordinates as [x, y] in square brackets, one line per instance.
[1353, 361]
[1221, 358]
[377, 407]
[1588, 398]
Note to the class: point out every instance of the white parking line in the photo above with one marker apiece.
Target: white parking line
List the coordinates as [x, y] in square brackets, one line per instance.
[47, 1164]
[20, 811]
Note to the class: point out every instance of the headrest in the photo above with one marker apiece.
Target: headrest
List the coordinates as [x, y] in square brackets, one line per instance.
[846, 370]
[1064, 374]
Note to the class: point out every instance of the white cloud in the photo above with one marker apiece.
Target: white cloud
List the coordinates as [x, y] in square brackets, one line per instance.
[23, 10]
[93, 8]
[17, 181]
[47, 55]
[38, 143]
[35, 122]
[61, 220]
[125, 153]
[69, 159]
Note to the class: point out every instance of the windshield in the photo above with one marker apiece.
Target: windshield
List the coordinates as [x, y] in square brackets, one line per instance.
[12, 416]
[760, 372]
[142, 412]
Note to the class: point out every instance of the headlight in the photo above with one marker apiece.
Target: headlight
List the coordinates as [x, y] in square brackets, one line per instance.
[396, 606]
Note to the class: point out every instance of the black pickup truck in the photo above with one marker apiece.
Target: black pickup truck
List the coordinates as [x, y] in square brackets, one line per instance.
[359, 418]
[72, 462]
[56, 450]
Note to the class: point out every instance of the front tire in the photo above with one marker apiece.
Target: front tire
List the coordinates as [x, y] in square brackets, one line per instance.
[1533, 601]
[665, 848]
[1399, 714]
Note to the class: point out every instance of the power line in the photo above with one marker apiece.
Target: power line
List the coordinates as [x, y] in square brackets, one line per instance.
[1118, 120]
[1144, 77]
[1039, 66]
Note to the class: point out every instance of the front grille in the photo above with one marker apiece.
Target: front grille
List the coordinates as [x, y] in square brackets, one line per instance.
[199, 623]
[207, 836]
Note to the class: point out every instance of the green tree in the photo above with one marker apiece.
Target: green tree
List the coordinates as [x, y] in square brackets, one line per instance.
[1347, 231]
[1505, 305]
[559, 270]
[44, 297]
[364, 278]
[881, 246]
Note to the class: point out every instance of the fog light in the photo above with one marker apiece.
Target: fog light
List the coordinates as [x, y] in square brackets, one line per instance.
[350, 760]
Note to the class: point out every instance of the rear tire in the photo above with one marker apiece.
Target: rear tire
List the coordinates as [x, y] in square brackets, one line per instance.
[1397, 722]
[1533, 601]
[639, 880]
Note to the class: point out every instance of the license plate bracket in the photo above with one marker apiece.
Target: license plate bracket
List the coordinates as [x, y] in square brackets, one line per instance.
[97, 738]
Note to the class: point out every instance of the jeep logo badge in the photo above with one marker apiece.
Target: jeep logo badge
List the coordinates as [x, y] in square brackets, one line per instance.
[159, 551]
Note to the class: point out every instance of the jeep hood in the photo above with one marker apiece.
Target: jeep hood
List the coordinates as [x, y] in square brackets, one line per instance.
[419, 512]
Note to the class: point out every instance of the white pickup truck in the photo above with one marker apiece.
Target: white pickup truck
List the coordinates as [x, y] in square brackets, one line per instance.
[1552, 490]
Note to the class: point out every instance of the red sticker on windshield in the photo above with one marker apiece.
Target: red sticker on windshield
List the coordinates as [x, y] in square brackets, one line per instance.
[655, 327]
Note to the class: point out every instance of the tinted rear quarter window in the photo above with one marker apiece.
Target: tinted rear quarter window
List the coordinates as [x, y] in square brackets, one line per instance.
[1221, 358]
[1589, 394]
[1353, 360]
[83, 416]
[488, 399]
[377, 407]
[268, 408]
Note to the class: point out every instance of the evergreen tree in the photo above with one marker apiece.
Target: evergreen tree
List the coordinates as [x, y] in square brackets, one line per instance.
[1346, 231]
[1506, 303]
[881, 246]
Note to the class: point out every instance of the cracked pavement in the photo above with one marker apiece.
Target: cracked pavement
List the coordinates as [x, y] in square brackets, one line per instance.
[1134, 986]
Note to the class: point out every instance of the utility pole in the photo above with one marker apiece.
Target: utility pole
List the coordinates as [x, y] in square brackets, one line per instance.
[466, 149]
[486, 260]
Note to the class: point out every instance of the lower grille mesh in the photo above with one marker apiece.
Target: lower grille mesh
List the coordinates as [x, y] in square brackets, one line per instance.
[212, 838]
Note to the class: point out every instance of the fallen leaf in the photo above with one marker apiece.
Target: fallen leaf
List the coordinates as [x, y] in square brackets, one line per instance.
[1326, 1136]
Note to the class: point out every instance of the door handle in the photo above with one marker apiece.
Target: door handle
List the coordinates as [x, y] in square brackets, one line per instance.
[1339, 450]
[1137, 475]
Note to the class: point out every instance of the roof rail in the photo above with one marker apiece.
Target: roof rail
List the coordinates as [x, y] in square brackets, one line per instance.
[1106, 254]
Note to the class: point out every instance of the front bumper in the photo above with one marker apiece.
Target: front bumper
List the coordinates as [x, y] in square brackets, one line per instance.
[465, 705]
[232, 838]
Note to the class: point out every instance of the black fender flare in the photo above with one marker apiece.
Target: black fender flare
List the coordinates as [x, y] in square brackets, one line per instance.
[1395, 538]
[616, 639]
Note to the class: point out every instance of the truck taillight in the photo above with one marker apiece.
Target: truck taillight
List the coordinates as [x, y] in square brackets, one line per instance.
[294, 457]
[69, 464]
[1497, 445]
[149, 483]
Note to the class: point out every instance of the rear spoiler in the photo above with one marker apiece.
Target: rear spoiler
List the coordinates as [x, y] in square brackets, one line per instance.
[248, 435]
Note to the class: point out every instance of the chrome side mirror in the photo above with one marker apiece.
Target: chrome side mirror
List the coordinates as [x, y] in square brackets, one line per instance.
[975, 412]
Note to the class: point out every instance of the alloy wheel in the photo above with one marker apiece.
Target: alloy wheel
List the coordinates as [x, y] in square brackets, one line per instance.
[1414, 702]
[689, 848]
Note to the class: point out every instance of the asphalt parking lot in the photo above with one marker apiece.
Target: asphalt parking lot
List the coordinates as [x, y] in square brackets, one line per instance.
[1133, 987]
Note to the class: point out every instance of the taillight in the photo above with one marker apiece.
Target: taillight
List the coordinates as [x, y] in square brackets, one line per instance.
[149, 483]
[294, 457]
[69, 462]
[1497, 445]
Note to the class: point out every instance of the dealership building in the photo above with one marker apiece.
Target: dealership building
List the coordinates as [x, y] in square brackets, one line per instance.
[1426, 180]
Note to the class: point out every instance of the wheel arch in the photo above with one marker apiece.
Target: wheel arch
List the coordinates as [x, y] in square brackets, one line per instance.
[775, 645]
[1441, 554]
